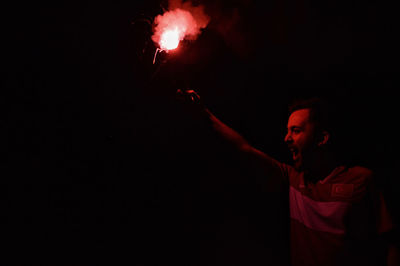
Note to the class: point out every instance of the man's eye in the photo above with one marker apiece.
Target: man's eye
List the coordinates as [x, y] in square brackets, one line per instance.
[296, 131]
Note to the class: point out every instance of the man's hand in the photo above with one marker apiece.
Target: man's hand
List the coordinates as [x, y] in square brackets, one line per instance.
[191, 103]
[188, 96]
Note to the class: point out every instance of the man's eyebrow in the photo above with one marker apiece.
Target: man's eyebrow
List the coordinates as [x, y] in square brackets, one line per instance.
[295, 126]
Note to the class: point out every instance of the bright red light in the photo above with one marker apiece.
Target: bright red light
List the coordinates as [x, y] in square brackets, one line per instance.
[174, 26]
[183, 22]
[170, 39]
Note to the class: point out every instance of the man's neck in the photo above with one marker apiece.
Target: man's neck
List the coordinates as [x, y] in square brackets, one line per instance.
[323, 165]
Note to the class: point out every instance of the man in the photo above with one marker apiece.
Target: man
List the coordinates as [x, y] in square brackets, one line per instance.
[337, 215]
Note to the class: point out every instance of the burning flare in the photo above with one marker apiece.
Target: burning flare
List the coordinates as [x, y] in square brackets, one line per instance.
[183, 21]
[170, 39]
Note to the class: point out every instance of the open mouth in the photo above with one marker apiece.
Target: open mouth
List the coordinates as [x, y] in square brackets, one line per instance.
[295, 153]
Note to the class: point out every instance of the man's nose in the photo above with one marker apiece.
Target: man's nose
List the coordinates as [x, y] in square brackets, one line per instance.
[288, 138]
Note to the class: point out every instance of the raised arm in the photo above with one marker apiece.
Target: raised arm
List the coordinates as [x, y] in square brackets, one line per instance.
[255, 158]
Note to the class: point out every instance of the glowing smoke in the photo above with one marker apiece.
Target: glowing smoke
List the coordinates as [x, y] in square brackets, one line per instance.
[182, 21]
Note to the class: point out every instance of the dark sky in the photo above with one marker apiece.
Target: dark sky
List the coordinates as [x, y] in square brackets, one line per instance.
[100, 160]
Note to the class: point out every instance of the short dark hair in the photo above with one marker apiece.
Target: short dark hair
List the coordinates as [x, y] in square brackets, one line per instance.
[326, 116]
[337, 116]
[322, 112]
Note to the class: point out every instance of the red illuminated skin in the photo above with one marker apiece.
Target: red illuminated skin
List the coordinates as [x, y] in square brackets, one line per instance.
[302, 139]
[306, 143]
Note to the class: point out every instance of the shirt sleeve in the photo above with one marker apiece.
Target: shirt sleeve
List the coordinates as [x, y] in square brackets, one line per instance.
[383, 218]
[268, 171]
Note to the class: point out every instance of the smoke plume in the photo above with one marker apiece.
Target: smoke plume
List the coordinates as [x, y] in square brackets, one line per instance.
[183, 18]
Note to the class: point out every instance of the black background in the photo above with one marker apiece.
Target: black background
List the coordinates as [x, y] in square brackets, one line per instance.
[100, 163]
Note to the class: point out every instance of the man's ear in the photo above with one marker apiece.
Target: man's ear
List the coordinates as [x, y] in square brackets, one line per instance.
[325, 136]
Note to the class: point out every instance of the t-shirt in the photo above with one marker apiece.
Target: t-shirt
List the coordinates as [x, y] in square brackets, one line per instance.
[336, 221]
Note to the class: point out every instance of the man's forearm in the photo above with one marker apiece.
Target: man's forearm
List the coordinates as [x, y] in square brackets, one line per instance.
[227, 133]
[261, 165]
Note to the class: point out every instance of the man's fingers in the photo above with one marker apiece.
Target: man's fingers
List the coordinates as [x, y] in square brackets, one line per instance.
[189, 95]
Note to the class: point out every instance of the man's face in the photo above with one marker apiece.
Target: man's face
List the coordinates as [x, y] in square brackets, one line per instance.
[300, 137]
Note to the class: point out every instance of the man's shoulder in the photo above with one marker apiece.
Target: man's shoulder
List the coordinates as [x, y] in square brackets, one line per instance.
[357, 177]
[360, 173]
